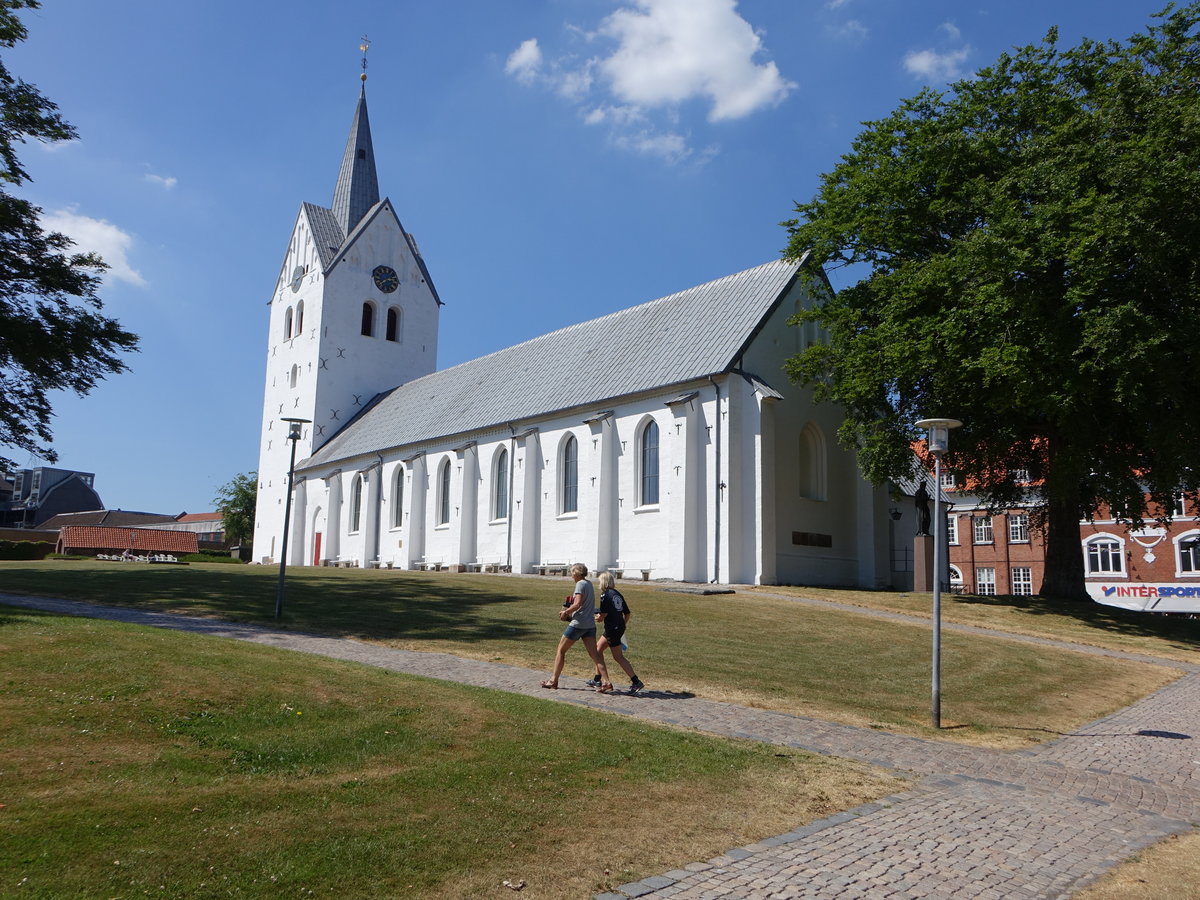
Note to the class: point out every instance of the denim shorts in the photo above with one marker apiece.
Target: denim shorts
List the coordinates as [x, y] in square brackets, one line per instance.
[574, 634]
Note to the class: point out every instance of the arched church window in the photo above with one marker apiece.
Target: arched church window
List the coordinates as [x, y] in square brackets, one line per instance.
[393, 324]
[569, 479]
[293, 376]
[398, 497]
[287, 324]
[500, 485]
[648, 464]
[811, 467]
[368, 319]
[444, 494]
[356, 504]
[299, 318]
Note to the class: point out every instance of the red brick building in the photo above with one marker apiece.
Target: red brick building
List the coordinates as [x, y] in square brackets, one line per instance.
[1155, 568]
[89, 540]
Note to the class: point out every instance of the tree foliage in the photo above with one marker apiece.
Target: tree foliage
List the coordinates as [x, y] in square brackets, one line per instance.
[235, 502]
[52, 335]
[1027, 243]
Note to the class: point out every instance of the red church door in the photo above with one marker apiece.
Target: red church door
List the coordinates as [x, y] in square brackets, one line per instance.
[317, 549]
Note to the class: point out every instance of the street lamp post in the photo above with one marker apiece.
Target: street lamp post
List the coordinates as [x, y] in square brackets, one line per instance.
[938, 441]
[294, 430]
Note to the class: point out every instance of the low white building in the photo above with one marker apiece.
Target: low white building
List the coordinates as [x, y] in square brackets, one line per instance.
[663, 438]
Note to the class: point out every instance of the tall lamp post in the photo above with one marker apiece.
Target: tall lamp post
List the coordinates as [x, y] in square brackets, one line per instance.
[938, 441]
[294, 430]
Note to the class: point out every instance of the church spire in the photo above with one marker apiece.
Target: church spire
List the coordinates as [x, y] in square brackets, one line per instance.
[357, 185]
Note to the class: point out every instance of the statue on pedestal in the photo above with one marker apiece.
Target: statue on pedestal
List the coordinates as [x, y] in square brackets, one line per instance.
[921, 501]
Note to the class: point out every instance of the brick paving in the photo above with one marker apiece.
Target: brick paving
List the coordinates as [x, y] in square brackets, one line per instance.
[1035, 823]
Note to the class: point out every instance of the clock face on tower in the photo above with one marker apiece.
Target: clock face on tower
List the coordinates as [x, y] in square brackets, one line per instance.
[386, 278]
[297, 278]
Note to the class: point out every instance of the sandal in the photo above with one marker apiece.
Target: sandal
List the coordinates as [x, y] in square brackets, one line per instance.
[605, 688]
[552, 685]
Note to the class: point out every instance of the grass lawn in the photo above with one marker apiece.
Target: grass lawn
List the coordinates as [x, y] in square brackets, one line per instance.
[144, 762]
[748, 648]
[1092, 624]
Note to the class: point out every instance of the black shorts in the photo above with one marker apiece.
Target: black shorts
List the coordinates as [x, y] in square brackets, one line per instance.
[614, 636]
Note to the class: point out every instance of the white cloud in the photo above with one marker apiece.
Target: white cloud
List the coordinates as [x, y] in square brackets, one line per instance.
[670, 51]
[952, 32]
[98, 236]
[655, 56]
[166, 181]
[524, 62]
[851, 30]
[939, 65]
[935, 66]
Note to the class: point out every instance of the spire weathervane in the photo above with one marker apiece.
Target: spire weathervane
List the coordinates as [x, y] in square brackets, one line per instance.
[364, 45]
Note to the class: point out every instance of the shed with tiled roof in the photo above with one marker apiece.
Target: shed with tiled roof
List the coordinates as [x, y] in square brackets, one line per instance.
[90, 539]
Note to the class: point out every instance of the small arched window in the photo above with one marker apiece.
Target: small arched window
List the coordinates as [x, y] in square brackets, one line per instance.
[811, 468]
[293, 376]
[299, 319]
[569, 481]
[500, 486]
[392, 333]
[398, 497]
[356, 503]
[1187, 554]
[648, 459]
[287, 324]
[368, 319]
[1104, 554]
[444, 494]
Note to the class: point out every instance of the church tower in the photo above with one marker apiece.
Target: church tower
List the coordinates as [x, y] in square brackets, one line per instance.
[354, 313]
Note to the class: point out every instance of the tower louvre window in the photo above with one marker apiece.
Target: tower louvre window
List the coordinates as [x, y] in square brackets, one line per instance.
[368, 319]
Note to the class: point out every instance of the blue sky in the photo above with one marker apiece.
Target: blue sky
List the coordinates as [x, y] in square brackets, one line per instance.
[555, 159]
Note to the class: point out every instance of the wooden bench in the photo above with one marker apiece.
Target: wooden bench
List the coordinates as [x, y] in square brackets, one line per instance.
[644, 567]
[484, 566]
[428, 565]
[552, 568]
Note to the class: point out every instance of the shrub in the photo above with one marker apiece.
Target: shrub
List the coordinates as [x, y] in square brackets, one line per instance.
[209, 556]
[25, 549]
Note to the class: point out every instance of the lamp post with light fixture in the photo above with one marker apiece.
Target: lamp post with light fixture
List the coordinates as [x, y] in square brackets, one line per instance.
[294, 432]
[938, 441]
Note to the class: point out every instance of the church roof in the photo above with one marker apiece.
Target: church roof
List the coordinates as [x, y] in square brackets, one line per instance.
[679, 338]
[357, 185]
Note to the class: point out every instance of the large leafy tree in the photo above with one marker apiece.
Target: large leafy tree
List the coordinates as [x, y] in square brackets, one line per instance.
[1029, 251]
[235, 502]
[52, 335]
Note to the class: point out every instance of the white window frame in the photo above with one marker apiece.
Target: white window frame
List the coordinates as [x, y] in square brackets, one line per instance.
[1020, 581]
[398, 497]
[1018, 528]
[568, 468]
[356, 495]
[985, 581]
[1188, 537]
[981, 530]
[643, 474]
[952, 532]
[1115, 551]
[501, 502]
[443, 494]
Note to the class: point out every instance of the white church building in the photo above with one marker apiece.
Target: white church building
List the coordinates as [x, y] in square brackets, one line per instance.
[662, 439]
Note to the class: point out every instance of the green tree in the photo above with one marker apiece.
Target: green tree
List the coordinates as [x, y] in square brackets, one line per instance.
[52, 336]
[1027, 246]
[235, 502]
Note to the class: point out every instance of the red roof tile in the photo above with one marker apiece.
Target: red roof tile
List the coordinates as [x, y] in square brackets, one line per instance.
[143, 539]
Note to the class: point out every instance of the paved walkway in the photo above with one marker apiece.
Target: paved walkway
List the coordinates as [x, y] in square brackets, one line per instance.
[1037, 823]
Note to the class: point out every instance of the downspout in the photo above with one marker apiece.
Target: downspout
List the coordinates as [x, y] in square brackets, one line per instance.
[378, 515]
[718, 484]
[512, 465]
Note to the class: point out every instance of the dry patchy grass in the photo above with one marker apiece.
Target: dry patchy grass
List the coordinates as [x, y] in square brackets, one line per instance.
[1167, 871]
